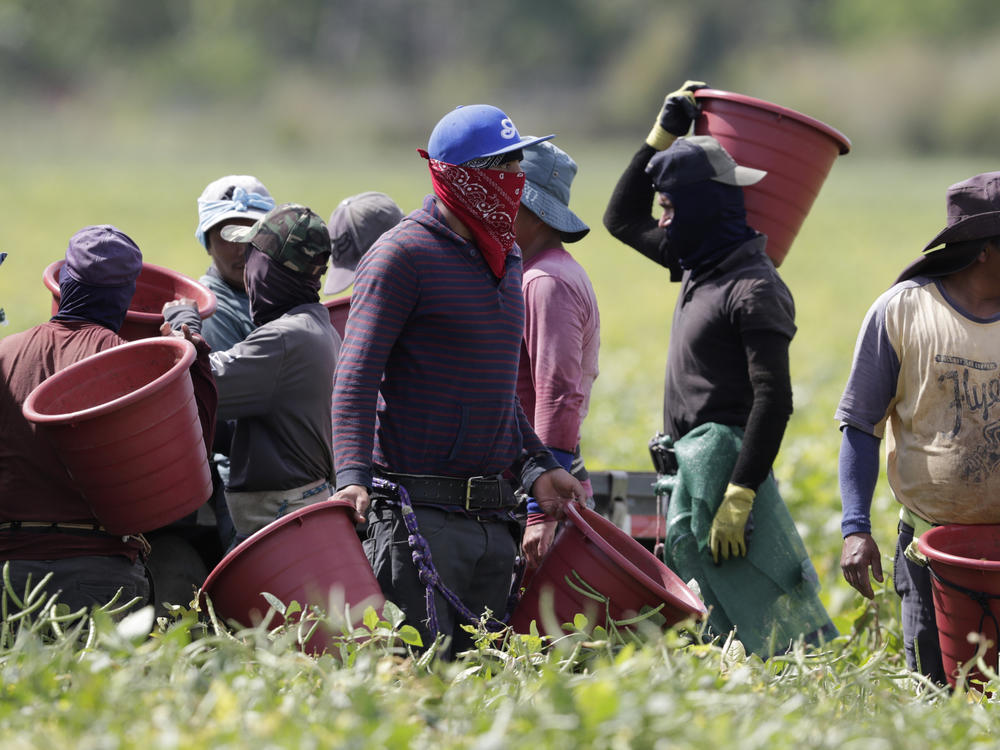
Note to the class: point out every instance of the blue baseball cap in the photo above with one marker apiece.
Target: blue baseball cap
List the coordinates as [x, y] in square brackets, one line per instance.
[475, 131]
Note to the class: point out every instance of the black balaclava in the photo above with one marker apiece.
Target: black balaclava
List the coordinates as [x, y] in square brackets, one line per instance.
[709, 222]
[105, 305]
[274, 289]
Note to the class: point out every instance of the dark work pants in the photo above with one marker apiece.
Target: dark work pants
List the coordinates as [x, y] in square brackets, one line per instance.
[85, 581]
[473, 558]
[920, 633]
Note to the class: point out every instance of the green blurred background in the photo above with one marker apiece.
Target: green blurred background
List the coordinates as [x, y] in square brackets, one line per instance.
[117, 111]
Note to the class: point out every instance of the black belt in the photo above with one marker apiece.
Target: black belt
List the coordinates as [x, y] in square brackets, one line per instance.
[474, 493]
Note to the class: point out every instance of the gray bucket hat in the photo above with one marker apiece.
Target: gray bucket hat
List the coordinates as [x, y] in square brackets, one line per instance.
[549, 172]
[354, 226]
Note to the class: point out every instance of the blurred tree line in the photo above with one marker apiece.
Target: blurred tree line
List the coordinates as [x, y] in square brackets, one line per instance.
[904, 75]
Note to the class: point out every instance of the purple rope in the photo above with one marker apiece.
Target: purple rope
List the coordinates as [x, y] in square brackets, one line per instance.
[428, 573]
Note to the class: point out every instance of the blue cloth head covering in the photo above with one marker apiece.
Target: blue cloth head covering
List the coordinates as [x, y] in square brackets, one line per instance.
[231, 197]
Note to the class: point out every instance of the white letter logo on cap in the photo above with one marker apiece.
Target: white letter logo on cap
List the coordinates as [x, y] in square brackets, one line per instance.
[507, 130]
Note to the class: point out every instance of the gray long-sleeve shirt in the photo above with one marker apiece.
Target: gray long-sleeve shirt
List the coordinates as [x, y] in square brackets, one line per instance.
[276, 385]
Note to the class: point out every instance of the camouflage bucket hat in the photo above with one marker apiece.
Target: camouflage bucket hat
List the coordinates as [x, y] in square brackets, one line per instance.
[289, 234]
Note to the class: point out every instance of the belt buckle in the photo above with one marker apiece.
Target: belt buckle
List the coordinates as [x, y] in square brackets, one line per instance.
[468, 491]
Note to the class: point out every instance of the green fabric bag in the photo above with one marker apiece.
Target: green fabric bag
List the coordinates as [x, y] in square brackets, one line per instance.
[771, 595]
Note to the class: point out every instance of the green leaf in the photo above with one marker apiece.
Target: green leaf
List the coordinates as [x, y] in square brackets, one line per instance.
[371, 618]
[628, 650]
[276, 604]
[136, 626]
[393, 614]
[410, 635]
[580, 621]
[465, 674]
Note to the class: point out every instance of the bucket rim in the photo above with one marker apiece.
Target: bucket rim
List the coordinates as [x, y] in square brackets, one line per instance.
[270, 530]
[843, 142]
[337, 302]
[206, 306]
[690, 603]
[187, 356]
[926, 540]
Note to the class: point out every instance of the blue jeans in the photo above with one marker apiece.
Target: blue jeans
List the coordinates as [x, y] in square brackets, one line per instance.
[920, 633]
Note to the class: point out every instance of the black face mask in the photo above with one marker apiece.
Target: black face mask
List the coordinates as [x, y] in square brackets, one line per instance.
[274, 289]
[709, 222]
[106, 305]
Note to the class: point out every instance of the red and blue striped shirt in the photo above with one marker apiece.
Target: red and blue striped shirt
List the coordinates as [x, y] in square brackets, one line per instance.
[426, 381]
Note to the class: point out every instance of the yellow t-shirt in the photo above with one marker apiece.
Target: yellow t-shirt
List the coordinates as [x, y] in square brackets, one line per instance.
[932, 372]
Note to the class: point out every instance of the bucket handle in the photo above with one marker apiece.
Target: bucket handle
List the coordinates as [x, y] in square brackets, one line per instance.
[979, 597]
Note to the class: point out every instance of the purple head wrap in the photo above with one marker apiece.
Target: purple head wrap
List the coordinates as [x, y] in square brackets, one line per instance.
[97, 280]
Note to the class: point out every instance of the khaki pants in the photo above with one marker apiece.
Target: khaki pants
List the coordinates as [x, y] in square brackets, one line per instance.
[252, 511]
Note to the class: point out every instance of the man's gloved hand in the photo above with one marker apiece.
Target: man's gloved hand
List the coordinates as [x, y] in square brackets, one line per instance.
[727, 534]
[675, 118]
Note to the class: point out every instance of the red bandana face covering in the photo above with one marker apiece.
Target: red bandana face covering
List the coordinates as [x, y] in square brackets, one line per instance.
[485, 200]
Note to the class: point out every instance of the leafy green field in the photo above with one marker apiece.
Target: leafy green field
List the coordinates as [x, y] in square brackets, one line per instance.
[186, 689]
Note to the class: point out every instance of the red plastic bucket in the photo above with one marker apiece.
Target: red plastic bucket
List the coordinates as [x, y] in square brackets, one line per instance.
[125, 424]
[301, 557]
[591, 557]
[154, 287]
[795, 150]
[339, 309]
[967, 557]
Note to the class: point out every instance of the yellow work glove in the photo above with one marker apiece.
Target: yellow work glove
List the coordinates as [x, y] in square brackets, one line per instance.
[727, 535]
[676, 115]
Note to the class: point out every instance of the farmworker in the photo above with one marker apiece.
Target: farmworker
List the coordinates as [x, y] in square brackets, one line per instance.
[186, 550]
[354, 225]
[276, 383]
[925, 375]
[235, 199]
[46, 525]
[727, 390]
[425, 394]
[239, 200]
[561, 324]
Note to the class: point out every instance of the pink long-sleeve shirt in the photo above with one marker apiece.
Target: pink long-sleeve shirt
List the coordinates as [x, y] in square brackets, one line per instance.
[559, 351]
